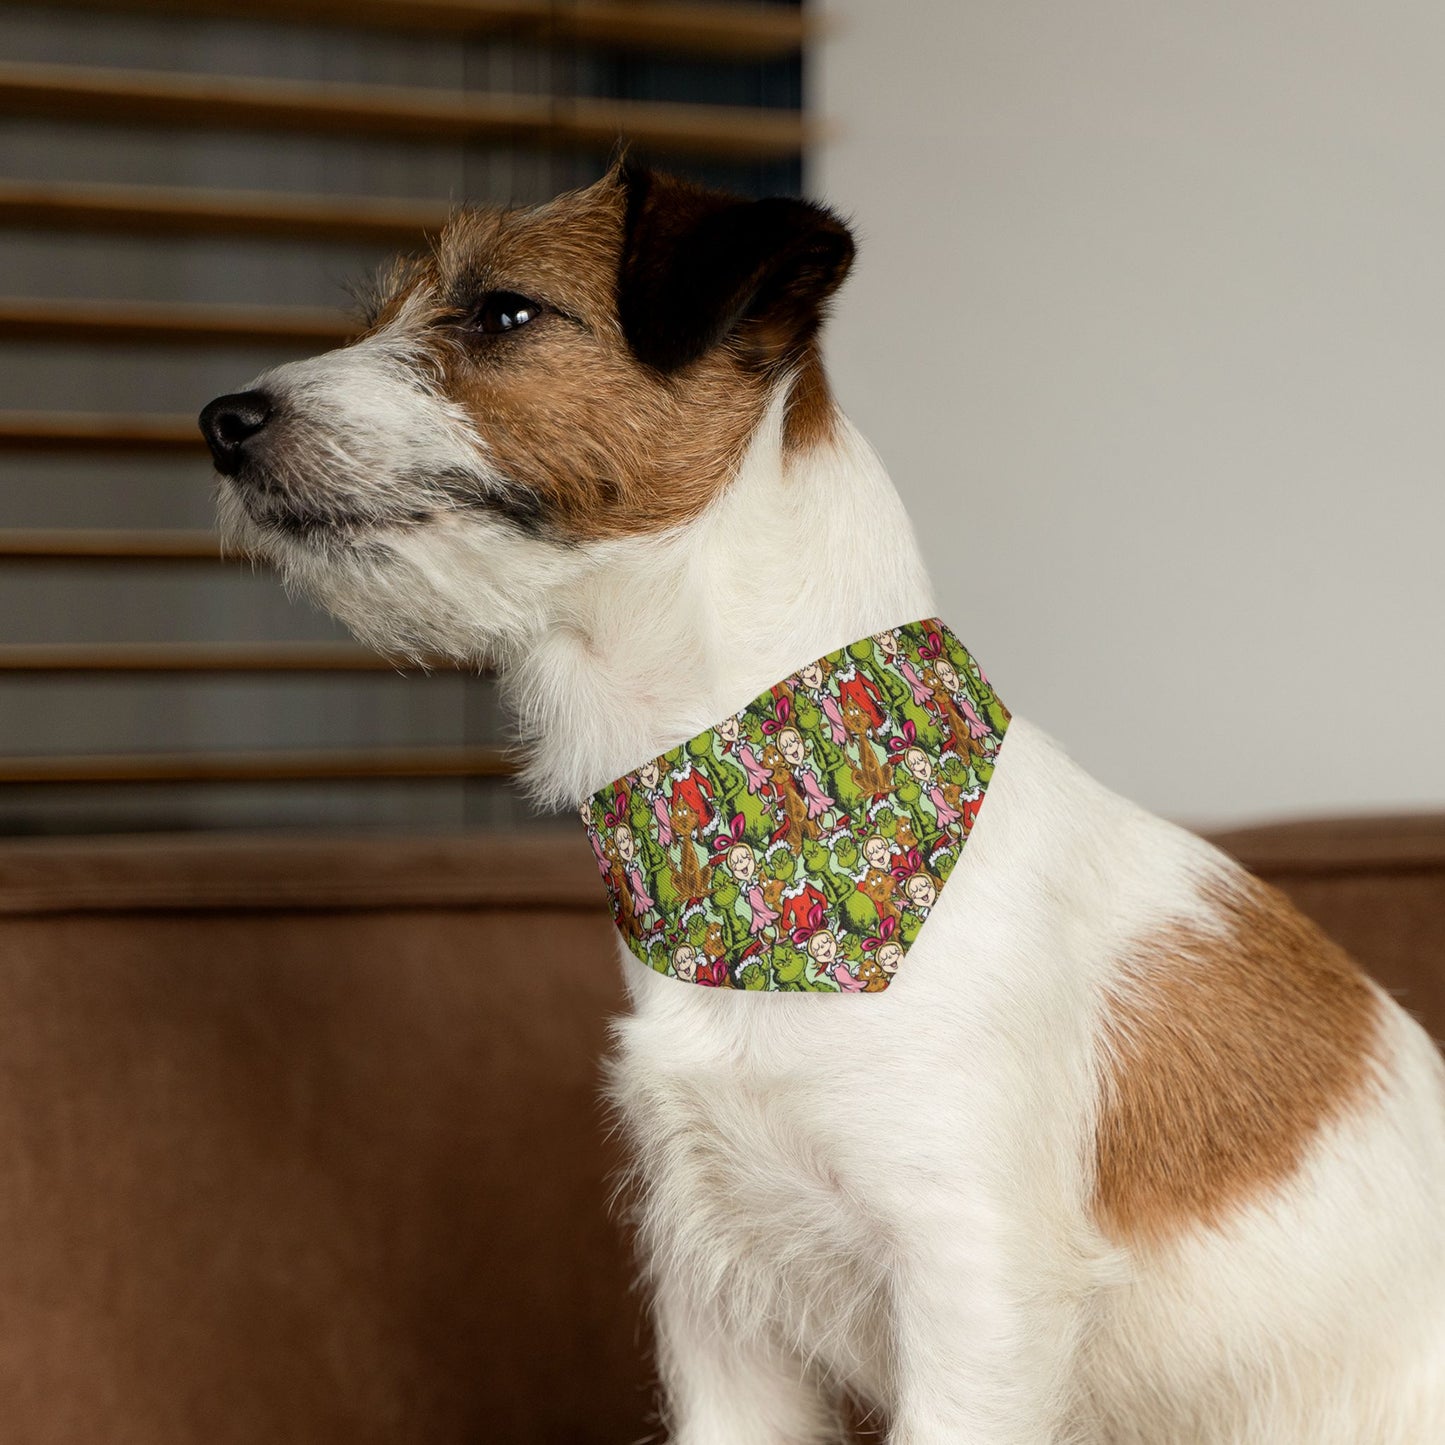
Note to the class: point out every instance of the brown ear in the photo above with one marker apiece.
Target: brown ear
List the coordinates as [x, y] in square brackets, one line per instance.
[699, 266]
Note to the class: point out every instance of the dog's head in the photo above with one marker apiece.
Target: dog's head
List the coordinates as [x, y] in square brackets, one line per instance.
[543, 383]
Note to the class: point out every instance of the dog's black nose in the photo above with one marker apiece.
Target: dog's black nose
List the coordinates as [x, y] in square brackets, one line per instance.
[229, 422]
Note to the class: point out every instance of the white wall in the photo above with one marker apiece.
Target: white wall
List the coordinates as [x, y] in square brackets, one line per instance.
[1149, 324]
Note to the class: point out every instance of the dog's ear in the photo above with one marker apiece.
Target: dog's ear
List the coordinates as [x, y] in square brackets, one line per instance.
[700, 266]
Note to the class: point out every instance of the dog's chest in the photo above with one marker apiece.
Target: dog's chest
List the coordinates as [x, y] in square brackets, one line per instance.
[750, 1140]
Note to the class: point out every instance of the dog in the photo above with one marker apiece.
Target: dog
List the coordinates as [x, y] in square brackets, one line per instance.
[1128, 1154]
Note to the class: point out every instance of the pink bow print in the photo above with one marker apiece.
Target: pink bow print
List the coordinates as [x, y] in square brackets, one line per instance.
[783, 714]
[910, 863]
[886, 930]
[617, 813]
[816, 919]
[730, 836]
[900, 745]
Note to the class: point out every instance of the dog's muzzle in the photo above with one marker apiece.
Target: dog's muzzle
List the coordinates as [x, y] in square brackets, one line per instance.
[232, 422]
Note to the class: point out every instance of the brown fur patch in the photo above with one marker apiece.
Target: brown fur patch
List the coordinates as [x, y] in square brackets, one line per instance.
[1227, 1052]
[606, 445]
[811, 415]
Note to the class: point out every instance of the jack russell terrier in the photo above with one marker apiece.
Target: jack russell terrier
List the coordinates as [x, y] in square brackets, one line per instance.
[1074, 1135]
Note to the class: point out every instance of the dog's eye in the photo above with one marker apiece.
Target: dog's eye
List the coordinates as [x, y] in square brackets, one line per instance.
[504, 311]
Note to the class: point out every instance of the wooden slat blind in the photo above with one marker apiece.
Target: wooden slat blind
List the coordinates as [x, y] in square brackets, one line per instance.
[271, 766]
[222, 102]
[83, 431]
[723, 30]
[172, 324]
[171, 211]
[228, 104]
[191, 657]
[89, 544]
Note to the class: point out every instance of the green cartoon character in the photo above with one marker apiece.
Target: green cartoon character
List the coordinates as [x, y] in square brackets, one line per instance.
[731, 764]
[781, 863]
[909, 792]
[820, 719]
[694, 926]
[856, 910]
[883, 662]
[754, 975]
[790, 968]
[644, 813]
[725, 897]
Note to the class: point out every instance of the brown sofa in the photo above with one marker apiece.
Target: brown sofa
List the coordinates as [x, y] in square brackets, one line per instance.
[302, 1142]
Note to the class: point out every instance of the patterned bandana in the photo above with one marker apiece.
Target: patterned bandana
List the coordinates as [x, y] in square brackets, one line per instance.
[799, 845]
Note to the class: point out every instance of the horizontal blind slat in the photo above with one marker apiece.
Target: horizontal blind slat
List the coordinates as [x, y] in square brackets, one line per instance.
[85, 431]
[93, 544]
[194, 657]
[708, 28]
[218, 102]
[271, 766]
[171, 323]
[177, 211]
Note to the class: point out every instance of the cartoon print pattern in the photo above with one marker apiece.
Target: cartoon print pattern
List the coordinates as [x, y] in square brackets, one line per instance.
[799, 845]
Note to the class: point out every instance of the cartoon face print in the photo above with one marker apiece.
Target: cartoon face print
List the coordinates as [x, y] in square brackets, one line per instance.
[921, 890]
[684, 962]
[727, 729]
[625, 845]
[790, 744]
[887, 642]
[876, 851]
[741, 862]
[946, 675]
[812, 675]
[879, 888]
[648, 775]
[916, 761]
[584, 811]
[823, 946]
[889, 956]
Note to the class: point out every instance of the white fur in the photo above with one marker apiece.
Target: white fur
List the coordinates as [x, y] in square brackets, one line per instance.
[890, 1194]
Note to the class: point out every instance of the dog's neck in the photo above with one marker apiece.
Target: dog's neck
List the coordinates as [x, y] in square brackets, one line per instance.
[662, 637]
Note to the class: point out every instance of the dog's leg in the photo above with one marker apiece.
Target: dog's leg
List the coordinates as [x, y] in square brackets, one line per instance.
[984, 1345]
[721, 1388]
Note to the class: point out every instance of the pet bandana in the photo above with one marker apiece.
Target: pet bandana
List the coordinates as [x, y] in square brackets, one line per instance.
[799, 845]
